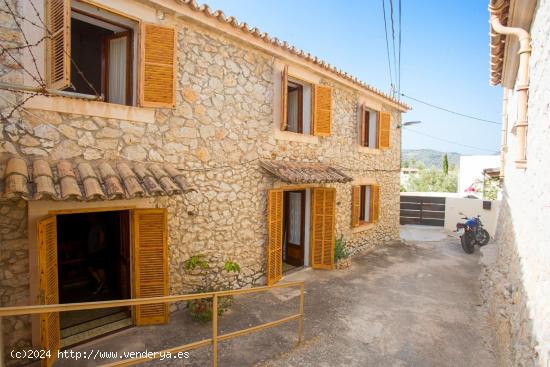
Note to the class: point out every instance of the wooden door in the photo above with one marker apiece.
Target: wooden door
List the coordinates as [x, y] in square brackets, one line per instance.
[49, 287]
[150, 264]
[294, 222]
[323, 215]
[274, 271]
[124, 254]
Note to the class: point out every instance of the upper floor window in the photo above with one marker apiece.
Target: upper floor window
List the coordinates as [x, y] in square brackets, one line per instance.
[102, 49]
[91, 50]
[374, 130]
[305, 108]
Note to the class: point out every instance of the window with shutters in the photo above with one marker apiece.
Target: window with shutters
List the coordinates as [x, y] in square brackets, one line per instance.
[101, 49]
[374, 129]
[365, 204]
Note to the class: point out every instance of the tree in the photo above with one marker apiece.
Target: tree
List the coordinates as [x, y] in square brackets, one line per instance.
[445, 165]
[432, 180]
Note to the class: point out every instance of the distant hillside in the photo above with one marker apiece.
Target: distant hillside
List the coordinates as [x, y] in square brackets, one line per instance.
[429, 157]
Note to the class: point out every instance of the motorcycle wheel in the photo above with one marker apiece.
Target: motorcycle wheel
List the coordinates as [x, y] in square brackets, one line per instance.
[467, 244]
[485, 237]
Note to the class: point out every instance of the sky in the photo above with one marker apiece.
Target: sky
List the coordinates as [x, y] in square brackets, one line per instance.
[444, 58]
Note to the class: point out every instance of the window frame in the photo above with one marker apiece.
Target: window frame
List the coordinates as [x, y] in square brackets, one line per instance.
[130, 60]
[300, 115]
[363, 205]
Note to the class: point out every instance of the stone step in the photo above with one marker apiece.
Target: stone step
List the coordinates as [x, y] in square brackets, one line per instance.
[94, 328]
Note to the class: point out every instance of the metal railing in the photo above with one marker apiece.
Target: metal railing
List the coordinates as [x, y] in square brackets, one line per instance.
[213, 341]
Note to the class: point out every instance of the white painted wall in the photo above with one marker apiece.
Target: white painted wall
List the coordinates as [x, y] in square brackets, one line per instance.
[471, 208]
[471, 169]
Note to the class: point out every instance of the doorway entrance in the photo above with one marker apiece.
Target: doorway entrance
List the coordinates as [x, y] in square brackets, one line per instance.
[93, 256]
[294, 229]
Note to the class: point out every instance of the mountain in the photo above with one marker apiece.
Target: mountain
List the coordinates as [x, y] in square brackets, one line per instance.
[429, 157]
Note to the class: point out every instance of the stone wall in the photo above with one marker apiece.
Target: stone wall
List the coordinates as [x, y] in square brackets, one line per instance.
[520, 280]
[14, 272]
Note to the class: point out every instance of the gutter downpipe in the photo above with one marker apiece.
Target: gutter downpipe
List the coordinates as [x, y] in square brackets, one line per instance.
[504, 132]
[523, 81]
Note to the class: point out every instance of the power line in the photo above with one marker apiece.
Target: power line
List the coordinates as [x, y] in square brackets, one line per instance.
[395, 88]
[450, 111]
[449, 141]
[399, 53]
[387, 42]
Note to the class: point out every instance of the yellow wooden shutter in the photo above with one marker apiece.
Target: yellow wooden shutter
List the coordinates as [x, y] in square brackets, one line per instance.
[284, 98]
[150, 264]
[374, 203]
[274, 270]
[49, 289]
[355, 205]
[323, 228]
[58, 45]
[384, 128]
[322, 114]
[158, 66]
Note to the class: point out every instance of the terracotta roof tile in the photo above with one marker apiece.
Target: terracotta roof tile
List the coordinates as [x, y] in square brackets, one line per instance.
[497, 42]
[303, 172]
[70, 180]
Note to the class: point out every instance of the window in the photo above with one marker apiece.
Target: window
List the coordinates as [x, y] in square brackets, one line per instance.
[305, 108]
[365, 204]
[369, 129]
[102, 49]
[93, 51]
[374, 130]
[298, 107]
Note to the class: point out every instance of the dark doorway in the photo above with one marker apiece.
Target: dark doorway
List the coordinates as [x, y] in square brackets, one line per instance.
[94, 265]
[293, 230]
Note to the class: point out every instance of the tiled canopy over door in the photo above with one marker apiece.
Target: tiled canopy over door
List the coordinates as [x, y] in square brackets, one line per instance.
[274, 236]
[323, 228]
[49, 290]
[150, 264]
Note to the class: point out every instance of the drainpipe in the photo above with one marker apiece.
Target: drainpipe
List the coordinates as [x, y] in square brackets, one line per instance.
[504, 132]
[523, 80]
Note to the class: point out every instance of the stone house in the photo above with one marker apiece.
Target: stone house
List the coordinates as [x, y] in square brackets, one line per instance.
[518, 283]
[165, 130]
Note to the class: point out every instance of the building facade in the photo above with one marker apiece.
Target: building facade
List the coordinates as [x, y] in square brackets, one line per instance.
[518, 284]
[162, 130]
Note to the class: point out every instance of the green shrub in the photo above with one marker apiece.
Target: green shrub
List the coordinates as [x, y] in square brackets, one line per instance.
[196, 261]
[340, 251]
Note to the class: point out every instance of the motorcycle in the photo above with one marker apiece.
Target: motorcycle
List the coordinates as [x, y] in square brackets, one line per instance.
[472, 233]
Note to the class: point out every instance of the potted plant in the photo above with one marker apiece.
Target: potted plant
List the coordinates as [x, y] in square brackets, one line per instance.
[201, 309]
[342, 259]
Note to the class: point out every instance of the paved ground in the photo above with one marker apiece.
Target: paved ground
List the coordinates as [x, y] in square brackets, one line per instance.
[408, 304]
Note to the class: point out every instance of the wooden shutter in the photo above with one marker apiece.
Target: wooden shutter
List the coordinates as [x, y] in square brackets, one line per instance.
[158, 66]
[274, 236]
[355, 205]
[58, 45]
[322, 114]
[284, 98]
[384, 128]
[374, 203]
[323, 227]
[49, 289]
[150, 264]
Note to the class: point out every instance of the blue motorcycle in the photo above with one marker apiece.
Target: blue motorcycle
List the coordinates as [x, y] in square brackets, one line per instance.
[472, 233]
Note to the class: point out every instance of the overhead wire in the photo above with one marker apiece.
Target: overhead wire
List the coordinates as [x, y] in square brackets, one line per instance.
[450, 111]
[449, 141]
[387, 43]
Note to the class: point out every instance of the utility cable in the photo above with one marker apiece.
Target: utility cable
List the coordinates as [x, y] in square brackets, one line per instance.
[449, 141]
[451, 111]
